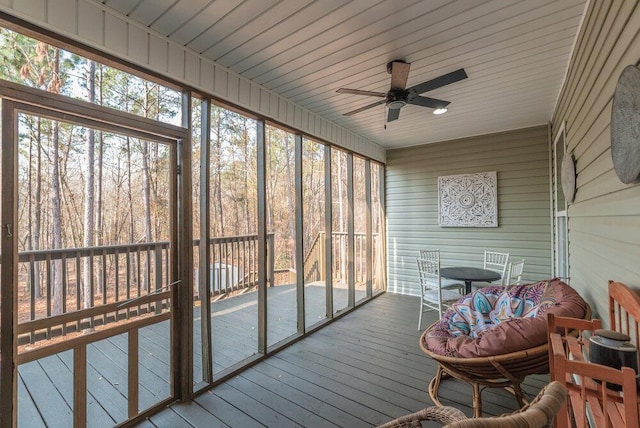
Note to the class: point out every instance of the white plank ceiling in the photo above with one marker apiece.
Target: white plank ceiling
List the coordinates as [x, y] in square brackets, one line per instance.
[515, 53]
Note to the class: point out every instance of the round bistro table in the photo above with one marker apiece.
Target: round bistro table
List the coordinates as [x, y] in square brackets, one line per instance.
[469, 274]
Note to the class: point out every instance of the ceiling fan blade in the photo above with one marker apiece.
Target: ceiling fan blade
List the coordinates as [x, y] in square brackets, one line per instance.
[377, 103]
[359, 92]
[427, 102]
[445, 79]
[394, 114]
[399, 74]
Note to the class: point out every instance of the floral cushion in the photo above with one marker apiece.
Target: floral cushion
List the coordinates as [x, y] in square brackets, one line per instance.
[492, 321]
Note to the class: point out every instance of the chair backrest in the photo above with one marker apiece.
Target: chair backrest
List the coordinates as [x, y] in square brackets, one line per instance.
[433, 255]
[514, 273]
[537, 414]
[496, 262]
[581, 329]
[624, 310]
[593, 402]
[429, 274]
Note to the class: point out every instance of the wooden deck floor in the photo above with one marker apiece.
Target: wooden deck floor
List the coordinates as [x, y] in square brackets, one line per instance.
[362, 370]
[45, 386]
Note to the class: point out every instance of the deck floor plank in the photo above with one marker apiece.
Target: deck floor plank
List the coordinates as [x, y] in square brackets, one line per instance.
[350, 385]
[361, 404]
[300, 406]
[241, 391]
[277, 410]
[103, 406]
[168, 418]
[196, 415]
[111, 362]
[47, 396]
[365, 414]
[227, 412]
[28, 410]
[365, 379]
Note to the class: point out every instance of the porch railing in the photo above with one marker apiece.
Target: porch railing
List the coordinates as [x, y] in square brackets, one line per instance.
[61, 281]
[52, 282]
[314, 260]
[234, 264]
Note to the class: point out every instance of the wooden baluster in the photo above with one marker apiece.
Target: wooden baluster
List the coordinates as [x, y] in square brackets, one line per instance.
[49, 290]
[133, 378]
[78, 288]
[158, 275]
[116, 274]
[80, 386]
[35, 282]
[63, 261]
[129, 273]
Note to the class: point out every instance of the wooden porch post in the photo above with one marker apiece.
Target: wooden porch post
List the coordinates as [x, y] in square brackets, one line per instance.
[8, 273]
[382, 253]
[328, 234]
[369, 227]
[299, 235]
[351, 272]
[182, 262]
[204, 251]
[262, 239]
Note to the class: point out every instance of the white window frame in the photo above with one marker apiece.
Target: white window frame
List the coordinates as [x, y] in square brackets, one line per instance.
[560, 211]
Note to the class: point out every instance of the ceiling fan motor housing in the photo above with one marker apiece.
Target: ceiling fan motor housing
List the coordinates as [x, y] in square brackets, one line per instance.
[396, 98]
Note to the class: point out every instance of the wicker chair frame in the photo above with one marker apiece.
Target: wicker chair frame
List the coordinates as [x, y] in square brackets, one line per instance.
[505, 371]
[537, 414]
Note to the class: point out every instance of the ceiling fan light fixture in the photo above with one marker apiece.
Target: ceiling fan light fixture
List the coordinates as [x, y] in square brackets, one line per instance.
[396, 104]
[440, 110]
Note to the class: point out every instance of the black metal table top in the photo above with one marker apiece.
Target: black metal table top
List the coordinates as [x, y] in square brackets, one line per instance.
[463, 273]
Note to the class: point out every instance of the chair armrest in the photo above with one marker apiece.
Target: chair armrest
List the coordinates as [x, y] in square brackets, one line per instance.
[443, 414]
[567, 324]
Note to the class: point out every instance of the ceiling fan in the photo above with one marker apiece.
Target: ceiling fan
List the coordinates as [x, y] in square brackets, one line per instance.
[399, 95]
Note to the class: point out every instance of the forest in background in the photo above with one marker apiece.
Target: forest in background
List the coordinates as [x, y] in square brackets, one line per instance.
[81, 188]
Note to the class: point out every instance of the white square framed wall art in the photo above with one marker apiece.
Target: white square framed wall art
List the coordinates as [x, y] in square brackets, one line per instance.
[468, 200]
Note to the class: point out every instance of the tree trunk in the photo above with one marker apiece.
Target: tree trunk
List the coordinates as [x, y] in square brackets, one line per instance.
[132, 237]
[56, 212]
[37, 222]
[218, 177]
[291, 216]
[147, 206]
[89, 214]
[246, 178]
[146, 179]
[99, 214]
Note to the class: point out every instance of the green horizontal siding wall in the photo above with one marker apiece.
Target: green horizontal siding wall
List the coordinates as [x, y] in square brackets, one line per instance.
[604, 220]
[520, 157]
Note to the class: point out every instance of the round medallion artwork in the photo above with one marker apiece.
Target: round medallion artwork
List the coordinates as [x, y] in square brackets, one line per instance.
[466, 200]
[568, 177]
[625, 126]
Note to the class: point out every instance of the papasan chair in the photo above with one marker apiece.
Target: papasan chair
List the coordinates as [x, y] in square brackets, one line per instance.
[539, 413]
[497, 336]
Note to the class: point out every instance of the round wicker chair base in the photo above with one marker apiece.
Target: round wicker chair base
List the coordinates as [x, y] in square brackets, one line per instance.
[512, 386]
[505, 371]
